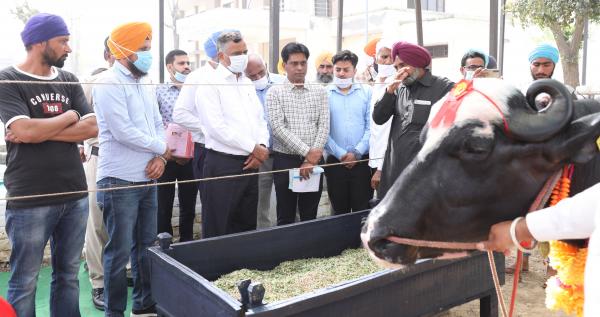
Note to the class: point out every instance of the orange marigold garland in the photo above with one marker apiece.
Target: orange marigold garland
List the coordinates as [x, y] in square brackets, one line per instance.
[564, 291]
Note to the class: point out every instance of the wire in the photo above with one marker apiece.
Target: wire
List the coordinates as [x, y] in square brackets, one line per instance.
[7, 198]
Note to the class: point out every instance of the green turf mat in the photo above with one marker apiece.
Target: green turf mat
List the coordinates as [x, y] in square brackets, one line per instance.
[43, 293]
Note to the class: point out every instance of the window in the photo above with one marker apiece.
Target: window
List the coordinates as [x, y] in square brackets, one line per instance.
[438, 51]
[428, 5]
[323, 8]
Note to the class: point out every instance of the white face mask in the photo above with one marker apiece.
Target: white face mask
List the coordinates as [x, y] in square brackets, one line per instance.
[261, 83]
[386, 70]
[238, 63]
[469, 74]
[342, 82]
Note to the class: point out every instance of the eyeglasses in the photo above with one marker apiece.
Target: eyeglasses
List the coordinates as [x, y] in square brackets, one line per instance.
[473, 67]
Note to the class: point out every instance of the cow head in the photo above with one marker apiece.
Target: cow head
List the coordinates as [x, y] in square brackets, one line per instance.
[481, 162]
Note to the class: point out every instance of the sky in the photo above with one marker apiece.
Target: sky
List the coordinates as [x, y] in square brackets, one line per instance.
[89, 23]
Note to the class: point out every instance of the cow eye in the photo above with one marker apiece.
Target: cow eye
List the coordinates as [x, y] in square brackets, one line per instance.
[476, 149]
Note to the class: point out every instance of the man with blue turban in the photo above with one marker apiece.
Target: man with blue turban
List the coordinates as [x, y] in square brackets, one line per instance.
[44, 122]
[542, 61]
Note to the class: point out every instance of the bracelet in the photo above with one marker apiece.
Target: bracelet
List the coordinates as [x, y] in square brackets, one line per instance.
[513, 236]
[77, 113]
[162, 159]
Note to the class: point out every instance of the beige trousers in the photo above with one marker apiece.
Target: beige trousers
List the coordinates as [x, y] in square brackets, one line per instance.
[95, 234]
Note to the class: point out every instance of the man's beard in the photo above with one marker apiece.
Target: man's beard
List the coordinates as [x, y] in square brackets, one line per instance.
[135, 71]
[325, 78]
[51, 60]
[536, 77]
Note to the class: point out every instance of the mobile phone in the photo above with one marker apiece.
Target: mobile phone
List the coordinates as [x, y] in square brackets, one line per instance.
[490, 73]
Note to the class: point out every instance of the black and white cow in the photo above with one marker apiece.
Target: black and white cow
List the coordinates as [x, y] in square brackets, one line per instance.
[481, 162]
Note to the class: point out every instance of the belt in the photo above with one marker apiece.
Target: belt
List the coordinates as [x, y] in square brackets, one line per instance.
[142, 182]
[237, 157]
[289, 156]
[95, 150]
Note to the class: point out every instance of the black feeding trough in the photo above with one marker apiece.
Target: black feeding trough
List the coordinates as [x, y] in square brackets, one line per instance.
[181, 276]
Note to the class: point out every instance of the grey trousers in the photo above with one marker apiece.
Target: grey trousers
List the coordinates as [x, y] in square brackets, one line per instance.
[265, 213]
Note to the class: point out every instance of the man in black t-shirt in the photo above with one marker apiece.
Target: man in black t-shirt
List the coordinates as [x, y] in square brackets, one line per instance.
[43, 123]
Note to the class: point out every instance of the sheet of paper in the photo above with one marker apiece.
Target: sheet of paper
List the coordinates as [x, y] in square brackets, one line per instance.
[299, 185]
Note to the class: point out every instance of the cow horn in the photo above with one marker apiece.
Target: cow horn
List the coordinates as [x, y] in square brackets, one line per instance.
[527, 124]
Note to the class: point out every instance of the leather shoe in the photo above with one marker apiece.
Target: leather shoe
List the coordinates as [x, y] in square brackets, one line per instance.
[98, 298]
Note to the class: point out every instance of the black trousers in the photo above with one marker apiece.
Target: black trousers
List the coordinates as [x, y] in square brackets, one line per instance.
[348, 189]
[187, 200]
[288, 201]
[229, 204]
[198, 164]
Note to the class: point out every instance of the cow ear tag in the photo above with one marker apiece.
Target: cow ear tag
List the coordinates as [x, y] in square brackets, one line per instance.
[598, 143]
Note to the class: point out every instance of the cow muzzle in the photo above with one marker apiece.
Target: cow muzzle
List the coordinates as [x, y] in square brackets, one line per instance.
[383, 251]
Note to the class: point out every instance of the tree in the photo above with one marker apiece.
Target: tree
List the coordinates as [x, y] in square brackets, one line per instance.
[566, 20]
[23, 12]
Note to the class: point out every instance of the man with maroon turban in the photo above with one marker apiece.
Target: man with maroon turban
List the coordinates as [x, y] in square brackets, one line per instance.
[407, 101]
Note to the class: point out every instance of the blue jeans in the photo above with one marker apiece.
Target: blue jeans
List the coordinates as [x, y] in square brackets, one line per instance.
[130, 220]
[28, 231]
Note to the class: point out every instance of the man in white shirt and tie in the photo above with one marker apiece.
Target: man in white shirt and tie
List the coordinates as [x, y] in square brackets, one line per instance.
[236, 138]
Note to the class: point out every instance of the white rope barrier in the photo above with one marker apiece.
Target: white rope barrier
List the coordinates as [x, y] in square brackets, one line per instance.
[197, 180]
[49, 82]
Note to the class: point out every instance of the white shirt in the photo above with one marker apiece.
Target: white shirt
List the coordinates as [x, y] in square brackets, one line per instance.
[232, 116]
[184, 112]
[378, 141]
[575, 218]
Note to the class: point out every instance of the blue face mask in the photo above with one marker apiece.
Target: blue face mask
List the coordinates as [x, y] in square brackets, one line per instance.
[144, 61]
[180, 77]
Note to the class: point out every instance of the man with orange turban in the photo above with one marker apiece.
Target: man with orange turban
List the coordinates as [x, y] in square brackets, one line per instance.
[132, 152]
[370, 48]
[369, 72]
[128, 40]
[407, 101]
[324, 67]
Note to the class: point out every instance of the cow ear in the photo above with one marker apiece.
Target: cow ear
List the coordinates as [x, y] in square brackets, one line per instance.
[578, 144]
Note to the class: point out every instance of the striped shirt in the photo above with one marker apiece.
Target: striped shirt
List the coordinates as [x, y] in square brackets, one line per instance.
[299, 117]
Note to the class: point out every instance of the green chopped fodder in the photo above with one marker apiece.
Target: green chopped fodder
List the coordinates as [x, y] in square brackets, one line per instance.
[293, 278]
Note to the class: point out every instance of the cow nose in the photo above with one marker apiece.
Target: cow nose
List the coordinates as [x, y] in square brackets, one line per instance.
[392, 252]
[375, 239]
